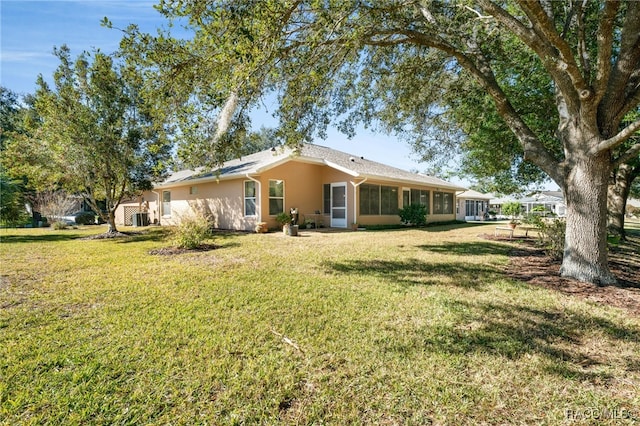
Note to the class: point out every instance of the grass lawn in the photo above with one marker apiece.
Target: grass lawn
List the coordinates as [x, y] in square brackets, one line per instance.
[386, 327]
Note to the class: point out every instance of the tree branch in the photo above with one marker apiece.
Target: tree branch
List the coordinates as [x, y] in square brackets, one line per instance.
[585, 59]
[481, 69]
[633, 97]
[614, 104]
[605, 47]
[619, 138]
[567, 22]
[630, 154]
[547, 53]
[543, 25]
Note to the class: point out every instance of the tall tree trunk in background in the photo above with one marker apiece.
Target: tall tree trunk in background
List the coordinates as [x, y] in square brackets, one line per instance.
[617, 196]
[585, 252]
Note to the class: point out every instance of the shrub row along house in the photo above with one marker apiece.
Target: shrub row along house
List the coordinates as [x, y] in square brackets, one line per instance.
[326, 187]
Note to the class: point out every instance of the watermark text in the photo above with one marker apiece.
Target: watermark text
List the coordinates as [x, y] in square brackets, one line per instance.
[597, 413]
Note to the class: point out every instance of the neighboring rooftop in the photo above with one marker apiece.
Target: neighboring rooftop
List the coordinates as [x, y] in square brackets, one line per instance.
[471, 194]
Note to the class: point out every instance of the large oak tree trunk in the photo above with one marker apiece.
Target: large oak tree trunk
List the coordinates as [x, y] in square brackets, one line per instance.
[111, 222]
[585, 252]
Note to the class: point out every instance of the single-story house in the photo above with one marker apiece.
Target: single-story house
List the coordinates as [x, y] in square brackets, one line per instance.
[327, 187]
[551, 201]
[472, 205]
[633, 206]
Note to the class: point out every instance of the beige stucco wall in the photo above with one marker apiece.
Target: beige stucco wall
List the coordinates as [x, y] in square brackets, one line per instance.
[303, 189]
[222, 201]
[137, 203]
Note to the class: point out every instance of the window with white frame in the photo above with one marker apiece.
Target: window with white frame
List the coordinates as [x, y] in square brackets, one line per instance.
[475, 207]
[250, 198]
[166, 203]
[276, 197]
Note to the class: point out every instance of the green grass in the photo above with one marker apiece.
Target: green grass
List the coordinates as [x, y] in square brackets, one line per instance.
[389, 327]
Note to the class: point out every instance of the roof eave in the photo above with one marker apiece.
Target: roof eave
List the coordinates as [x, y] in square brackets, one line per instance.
[196, 181]
[444, 185]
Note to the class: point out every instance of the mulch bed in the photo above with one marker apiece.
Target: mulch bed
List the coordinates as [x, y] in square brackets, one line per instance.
[172, 251]
[529, 263]
[110, 235]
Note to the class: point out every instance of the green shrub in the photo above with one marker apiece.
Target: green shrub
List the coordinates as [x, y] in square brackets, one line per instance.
[85, 218]
[12, 211]
[193, 230]
[414, 214]
[283, 218]
[531, 219]
[512, 209]
[59, 224]
[551, 233]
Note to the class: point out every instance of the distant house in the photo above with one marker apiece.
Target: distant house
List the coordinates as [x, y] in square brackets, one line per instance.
[472, 205]
[326, 186]
[550, 201]
[633, 207]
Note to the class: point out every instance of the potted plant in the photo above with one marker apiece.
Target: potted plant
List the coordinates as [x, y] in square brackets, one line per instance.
[284, 220]
[512, 208]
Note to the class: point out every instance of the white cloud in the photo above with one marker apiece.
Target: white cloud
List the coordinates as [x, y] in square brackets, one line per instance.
[22, 56]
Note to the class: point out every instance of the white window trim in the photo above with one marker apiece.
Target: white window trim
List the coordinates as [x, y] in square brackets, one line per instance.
[284, 193]
[245, 198]
[164, 214]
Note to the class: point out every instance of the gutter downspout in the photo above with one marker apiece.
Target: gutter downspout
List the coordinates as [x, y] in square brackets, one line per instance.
[355, 204]
[259, 197]
[158, 207]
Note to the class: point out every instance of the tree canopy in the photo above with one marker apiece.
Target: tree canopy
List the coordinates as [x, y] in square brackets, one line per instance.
[397, 66]
[93, 133]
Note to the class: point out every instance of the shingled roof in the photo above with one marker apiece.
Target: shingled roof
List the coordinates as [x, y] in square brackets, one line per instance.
[356, 166]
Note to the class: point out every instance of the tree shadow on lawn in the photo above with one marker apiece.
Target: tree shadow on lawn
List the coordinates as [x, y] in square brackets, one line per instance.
[155, 235]
[471, 248]
[515, 331]
[430, 227]
[165, 234]
[53, 237]
[412, 272]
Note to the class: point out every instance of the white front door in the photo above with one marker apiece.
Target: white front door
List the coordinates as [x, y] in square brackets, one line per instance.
[339, 205]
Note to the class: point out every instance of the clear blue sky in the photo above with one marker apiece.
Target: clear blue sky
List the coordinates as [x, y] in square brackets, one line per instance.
[31, 29]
